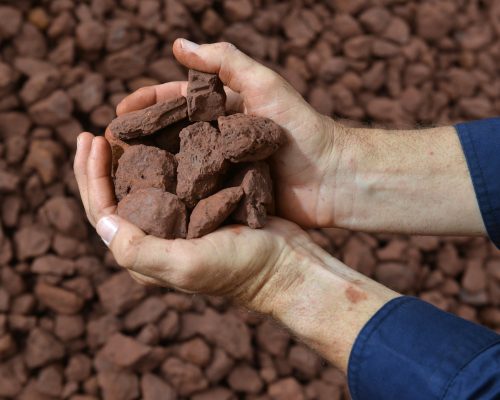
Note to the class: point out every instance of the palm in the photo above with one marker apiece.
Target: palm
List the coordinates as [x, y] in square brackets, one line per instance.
[297, 166]
[236, 261]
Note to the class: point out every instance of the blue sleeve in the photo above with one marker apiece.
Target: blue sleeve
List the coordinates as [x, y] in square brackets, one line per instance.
[481, 144]
[411, 350]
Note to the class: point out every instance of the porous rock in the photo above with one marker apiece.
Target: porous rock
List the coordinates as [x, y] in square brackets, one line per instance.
[206, 98]
[201, 165]
[143, 167]
[246, 138]
[156, 212]
[211, 212]
[149, 120]
[255, 180]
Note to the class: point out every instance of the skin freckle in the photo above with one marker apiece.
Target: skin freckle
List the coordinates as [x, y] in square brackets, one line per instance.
[354, 295]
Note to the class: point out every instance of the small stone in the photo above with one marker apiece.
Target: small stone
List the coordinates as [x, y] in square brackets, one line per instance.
[397, 276]
[206, 98]
[52, 111]
[185, 378]
[100, 329]
[474, 279]
[7, 346]
[155, 388]
[57, 299]
[255, 180]
[148, 311]
[10, 21]
[118, 385]
[246, 138]
[195, 351]
[124, 351]
[144, 167]
[69, 327]
[79, 368]
[157, 213]
[305, 361]
[32, 241]
[286, 389]
[201, 164]
[53, 265]
[41, 348]
[244, 378]
[50, 381]
[149, 120]
[212, 211]
[90, 35]
[219, 367]
[119, 293]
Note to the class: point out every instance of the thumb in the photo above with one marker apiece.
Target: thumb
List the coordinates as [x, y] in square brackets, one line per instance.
[155, 259]
[235, 69]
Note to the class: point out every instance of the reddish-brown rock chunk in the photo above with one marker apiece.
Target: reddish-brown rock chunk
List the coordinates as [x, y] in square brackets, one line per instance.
[256, 182]
[118, 294]
[150, 120]
[249, 138]
[124, 351]
[143, 167]
[156, 212]
[211, 212]
[118, 147]
[41, 348]
[206, 98]
[60, 300]
[186, 378]
[201, 164]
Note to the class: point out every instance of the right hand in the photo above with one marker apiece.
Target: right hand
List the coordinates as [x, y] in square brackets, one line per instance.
[305, 167]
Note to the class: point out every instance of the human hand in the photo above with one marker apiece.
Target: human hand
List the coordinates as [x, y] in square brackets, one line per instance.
[249, 266]
[301, 167]
[276, 271]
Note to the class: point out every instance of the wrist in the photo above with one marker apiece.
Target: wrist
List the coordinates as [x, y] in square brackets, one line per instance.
[330, 306]
[341, 168]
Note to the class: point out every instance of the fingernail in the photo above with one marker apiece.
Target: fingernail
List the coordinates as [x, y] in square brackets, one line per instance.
[106, 228]
[78, 140]
[188, 45]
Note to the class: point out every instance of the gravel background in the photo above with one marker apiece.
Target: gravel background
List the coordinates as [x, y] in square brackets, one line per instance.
[72, 325]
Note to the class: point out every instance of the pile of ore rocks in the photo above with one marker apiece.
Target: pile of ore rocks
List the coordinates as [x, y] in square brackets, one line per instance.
[65, 305]
[211, 170]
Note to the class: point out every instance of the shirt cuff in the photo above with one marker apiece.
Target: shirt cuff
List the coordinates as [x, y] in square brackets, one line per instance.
[481, 145]
[412, 350]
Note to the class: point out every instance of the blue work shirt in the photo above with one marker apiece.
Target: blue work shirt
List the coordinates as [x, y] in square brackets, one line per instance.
[412, 350]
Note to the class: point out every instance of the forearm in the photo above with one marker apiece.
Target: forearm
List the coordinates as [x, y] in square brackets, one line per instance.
[330, 306]
[414, 182]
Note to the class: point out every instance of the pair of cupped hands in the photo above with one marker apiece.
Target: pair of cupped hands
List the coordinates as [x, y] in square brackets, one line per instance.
[255, 268]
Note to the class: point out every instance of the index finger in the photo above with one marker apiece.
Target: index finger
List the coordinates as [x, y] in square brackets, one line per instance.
[150, 95]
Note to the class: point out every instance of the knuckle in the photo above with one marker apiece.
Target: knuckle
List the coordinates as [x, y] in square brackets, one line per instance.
[189, 274]
[227, 46]
[127, 255]
[141, 91]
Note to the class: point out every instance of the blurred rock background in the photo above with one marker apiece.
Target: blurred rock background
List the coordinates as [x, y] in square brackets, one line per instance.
[72, 324]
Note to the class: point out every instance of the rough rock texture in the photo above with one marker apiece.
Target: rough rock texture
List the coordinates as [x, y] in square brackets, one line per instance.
[249, 138]
[435, 62]
[255, 180]
[149, 120]
[201, 165]
[211, 212]
[143, 167]
[206, 98]
[156, 212]
[118, 147]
